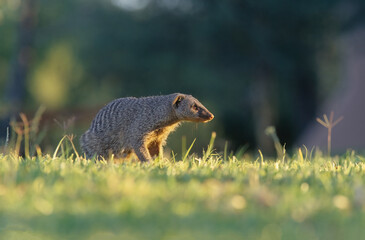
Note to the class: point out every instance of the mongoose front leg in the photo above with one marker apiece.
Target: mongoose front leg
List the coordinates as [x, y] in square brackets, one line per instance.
[142, 153]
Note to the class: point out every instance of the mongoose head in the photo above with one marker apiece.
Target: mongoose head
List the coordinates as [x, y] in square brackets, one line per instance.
[188, 108]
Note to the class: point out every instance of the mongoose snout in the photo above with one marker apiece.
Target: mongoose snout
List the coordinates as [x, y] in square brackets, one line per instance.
[140, 126]
[207, 116]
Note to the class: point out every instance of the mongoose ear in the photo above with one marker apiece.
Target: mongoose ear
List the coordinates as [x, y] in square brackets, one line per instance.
[177, 101]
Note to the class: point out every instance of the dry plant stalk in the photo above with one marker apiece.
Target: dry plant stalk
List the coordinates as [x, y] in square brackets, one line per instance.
[26, 134]
[329, 124]
[26, 129]
[70, 139]
[19, 132]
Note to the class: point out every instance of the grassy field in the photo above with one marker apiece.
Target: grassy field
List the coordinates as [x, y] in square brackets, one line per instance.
[213, 197]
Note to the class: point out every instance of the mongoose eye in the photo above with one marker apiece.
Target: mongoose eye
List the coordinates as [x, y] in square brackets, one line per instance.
[195, 107]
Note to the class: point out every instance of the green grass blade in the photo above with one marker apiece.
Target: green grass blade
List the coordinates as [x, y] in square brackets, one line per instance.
[188, 151]
[58, 147]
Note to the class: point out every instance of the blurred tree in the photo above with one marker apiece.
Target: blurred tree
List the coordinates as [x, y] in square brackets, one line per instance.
[15, 91]
[14, 95]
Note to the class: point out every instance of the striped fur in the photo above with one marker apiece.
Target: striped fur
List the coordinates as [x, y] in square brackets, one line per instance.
[139, 126]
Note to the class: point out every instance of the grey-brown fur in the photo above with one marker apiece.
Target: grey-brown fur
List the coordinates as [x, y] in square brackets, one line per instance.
[139, 125]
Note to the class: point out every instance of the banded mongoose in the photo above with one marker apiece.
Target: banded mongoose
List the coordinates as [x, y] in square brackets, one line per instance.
[139, 125]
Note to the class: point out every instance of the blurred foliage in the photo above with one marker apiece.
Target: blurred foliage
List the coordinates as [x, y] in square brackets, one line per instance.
[253, 63]
[55, 76]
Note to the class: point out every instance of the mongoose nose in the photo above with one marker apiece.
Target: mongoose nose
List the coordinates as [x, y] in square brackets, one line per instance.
[211, 117]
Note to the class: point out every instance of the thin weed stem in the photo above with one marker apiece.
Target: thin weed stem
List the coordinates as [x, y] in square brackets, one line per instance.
[280, 150]
[329, 124]
[225, 152]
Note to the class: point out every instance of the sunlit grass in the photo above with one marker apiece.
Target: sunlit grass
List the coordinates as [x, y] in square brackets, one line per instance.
[199, 198]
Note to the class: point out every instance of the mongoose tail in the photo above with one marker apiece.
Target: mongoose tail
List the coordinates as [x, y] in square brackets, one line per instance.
[140, 126]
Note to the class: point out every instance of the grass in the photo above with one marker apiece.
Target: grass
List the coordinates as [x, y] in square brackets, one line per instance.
[303, 197]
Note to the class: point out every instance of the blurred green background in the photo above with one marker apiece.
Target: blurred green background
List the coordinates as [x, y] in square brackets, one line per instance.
[252, 63]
